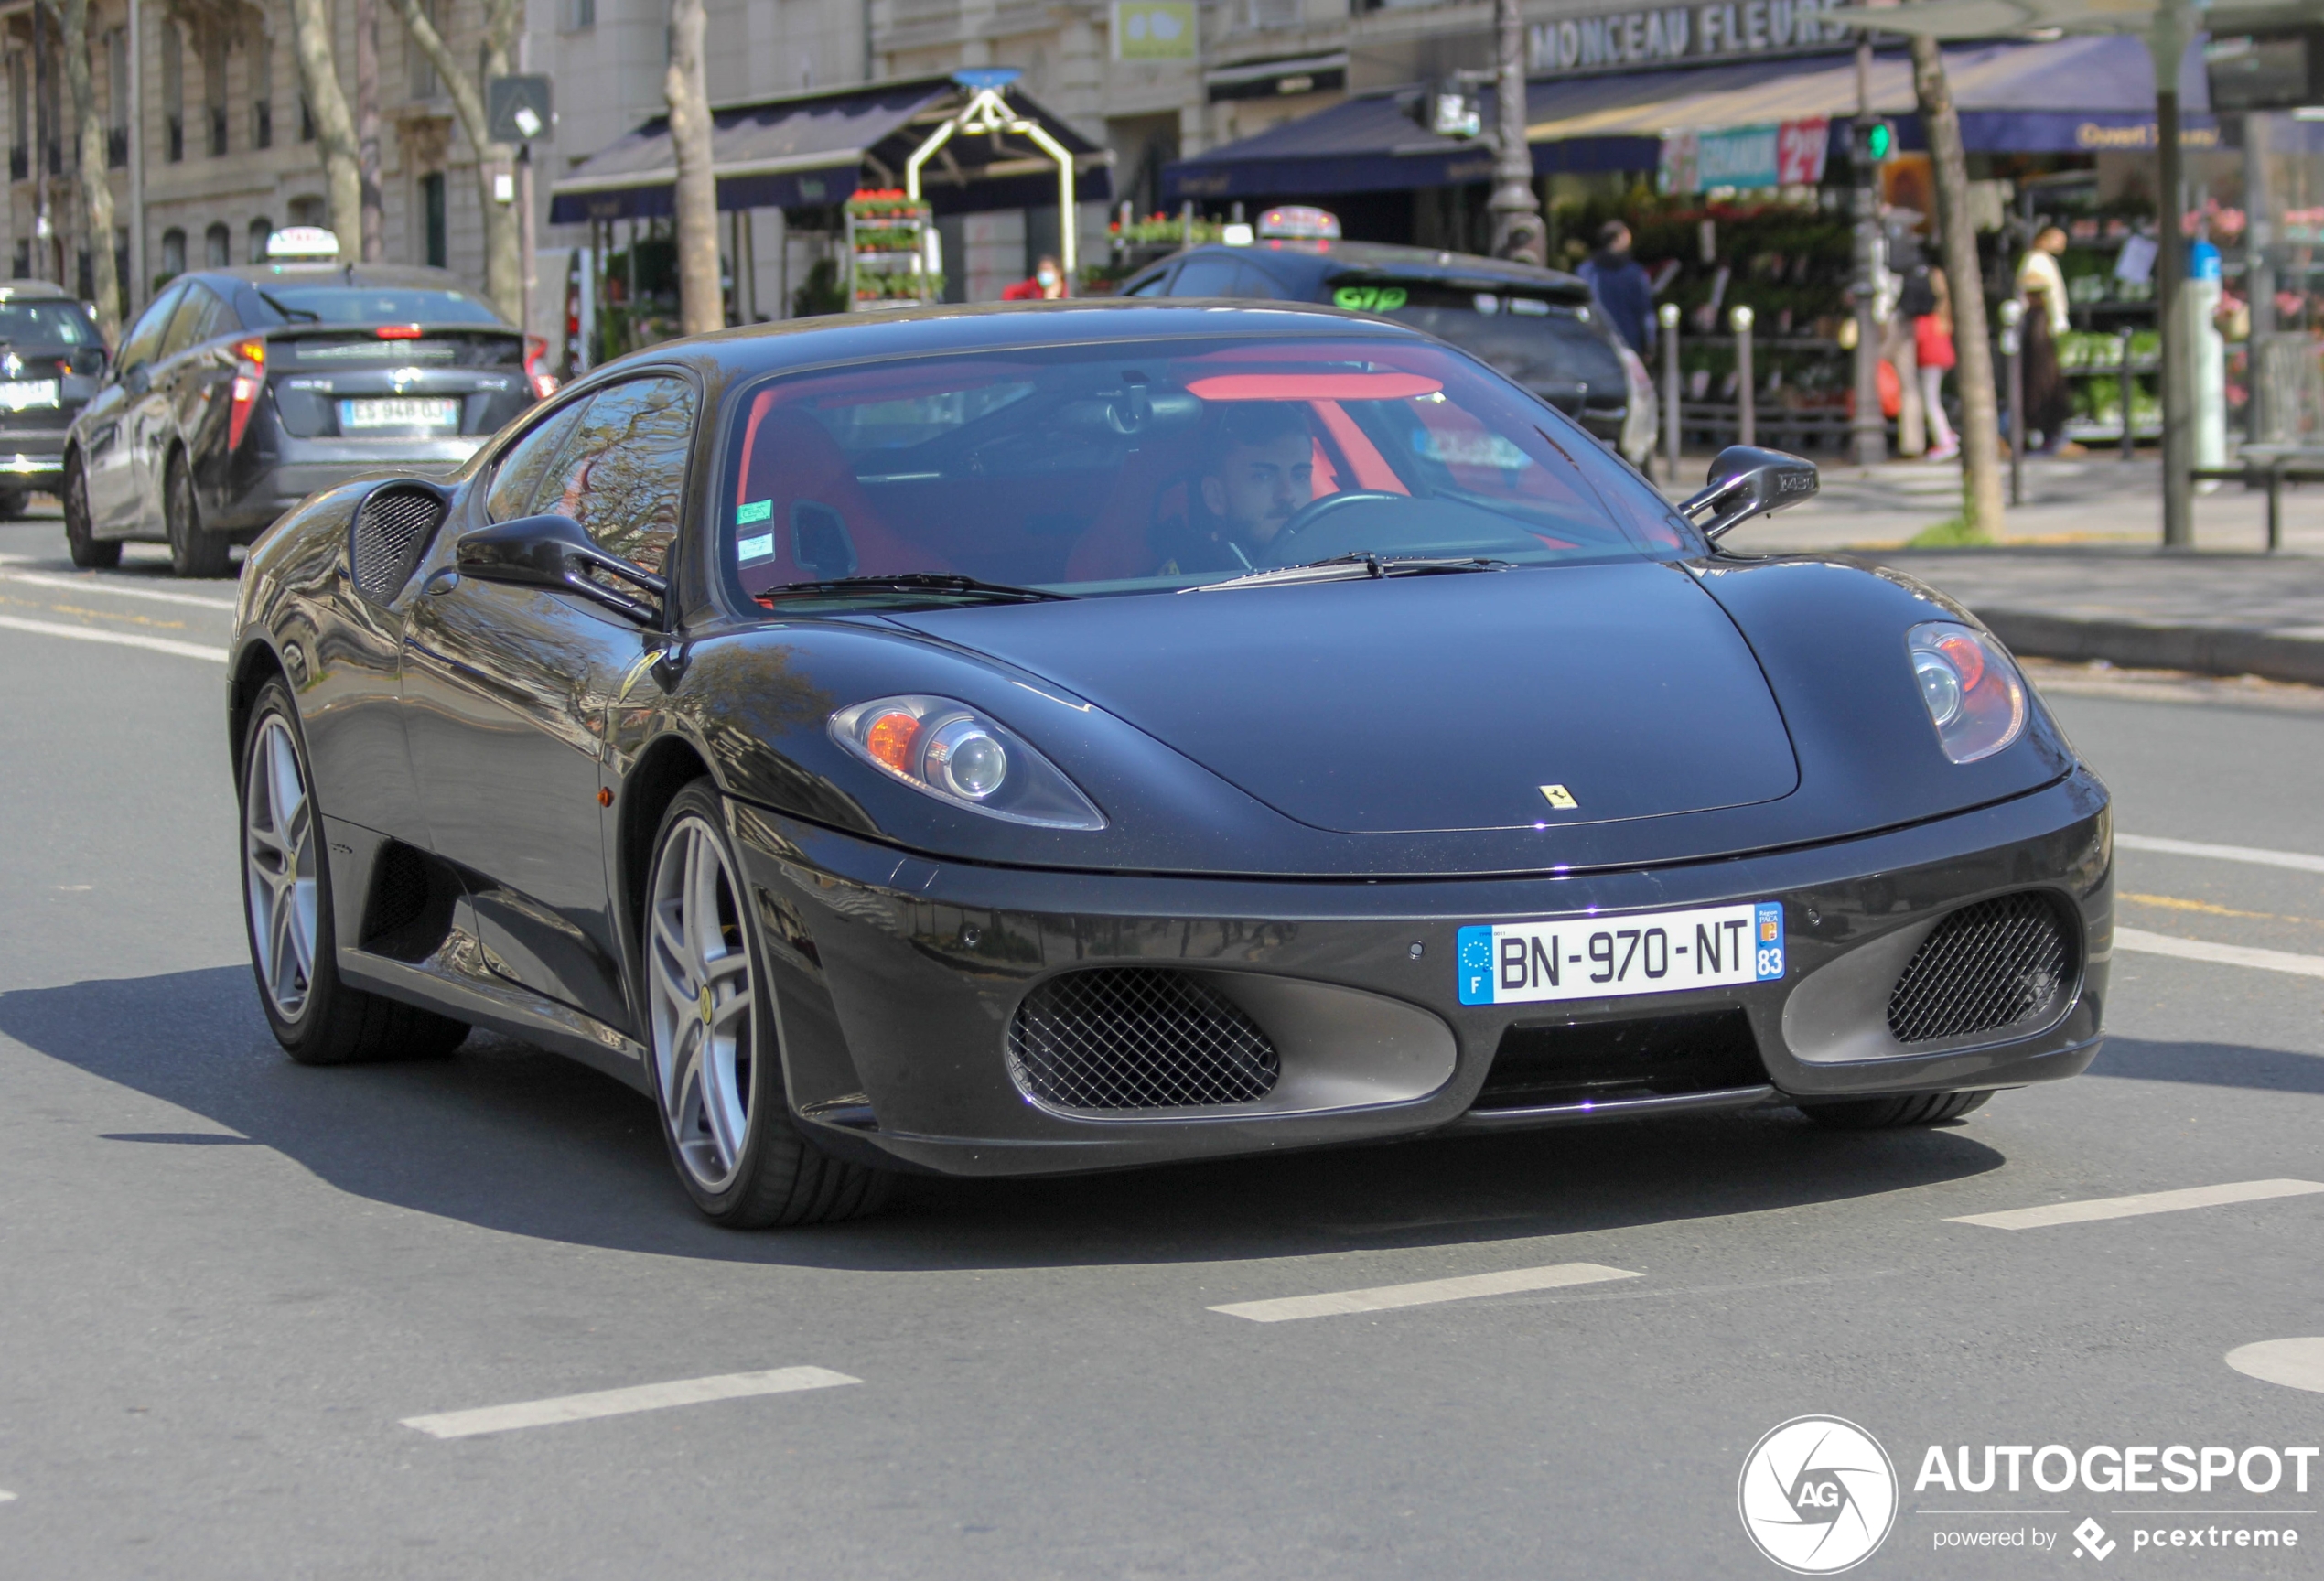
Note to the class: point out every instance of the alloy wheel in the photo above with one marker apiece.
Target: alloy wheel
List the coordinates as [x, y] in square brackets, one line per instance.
[278, 867]
[699, 966]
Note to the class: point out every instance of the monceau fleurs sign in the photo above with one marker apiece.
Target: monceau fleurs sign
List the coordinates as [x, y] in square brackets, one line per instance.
[1696, 34]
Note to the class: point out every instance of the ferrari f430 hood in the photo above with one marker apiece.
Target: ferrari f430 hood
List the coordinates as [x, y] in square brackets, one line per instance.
[1493, 700]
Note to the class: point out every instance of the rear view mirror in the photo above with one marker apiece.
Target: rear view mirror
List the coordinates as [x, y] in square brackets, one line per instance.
[1747, 481]
[553, 552]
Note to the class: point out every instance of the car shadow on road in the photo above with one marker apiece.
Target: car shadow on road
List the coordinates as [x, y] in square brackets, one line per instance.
[2211, 1064]
[513, 1139]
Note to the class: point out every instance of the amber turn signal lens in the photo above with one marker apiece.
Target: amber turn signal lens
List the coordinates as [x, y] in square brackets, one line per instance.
[889, 739]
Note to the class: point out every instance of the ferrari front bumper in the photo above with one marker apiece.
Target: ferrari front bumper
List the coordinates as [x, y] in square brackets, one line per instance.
[899, 978]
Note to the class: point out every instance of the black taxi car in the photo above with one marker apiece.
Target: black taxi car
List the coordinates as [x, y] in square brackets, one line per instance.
[241, 390]
[1537, 327]
[52, 359]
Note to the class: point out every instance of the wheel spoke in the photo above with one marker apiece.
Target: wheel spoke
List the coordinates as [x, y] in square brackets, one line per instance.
[722, 1013]
[702, 902]
[718, 968]
[684, 1070]
[722, 1102]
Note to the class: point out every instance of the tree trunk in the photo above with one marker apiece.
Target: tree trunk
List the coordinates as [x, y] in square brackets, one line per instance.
[686, 88]
[367, 129]
[1518, 234]
[96, 191]
[334, 124]
[1973, 352]
[504, 269]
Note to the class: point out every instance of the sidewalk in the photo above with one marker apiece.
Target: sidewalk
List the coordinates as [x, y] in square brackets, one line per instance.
[2078, 572]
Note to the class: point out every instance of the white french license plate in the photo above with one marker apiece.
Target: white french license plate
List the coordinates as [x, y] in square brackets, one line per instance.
[398, 411]
[15, 394]
[1601, 957]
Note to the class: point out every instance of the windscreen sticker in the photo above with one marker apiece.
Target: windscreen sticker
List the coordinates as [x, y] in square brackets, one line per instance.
[1370, 298]
[762, 547]
[754, 511]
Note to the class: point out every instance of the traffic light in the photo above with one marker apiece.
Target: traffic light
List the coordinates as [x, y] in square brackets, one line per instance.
[1872, 142]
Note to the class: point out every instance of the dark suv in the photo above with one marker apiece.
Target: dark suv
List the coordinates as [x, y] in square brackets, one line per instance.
[52, 359]
[239, 392]
[1536, 326]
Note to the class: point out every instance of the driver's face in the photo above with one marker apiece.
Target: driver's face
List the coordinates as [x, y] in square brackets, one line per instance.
[1258, 487]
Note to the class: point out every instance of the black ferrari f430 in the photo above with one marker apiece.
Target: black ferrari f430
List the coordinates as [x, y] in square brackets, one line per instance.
[1078, 735]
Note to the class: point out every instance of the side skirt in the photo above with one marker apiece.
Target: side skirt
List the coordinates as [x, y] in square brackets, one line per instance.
[482, 999]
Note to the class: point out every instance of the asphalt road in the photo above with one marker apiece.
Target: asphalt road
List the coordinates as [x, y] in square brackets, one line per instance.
[227, 1283]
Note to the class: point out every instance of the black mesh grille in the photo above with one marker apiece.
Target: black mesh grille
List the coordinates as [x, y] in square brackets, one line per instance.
[1987, 966]
[391, 530]
[1137, 1038]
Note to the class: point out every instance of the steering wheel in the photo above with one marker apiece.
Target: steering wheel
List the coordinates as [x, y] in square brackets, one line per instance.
[1314, 510]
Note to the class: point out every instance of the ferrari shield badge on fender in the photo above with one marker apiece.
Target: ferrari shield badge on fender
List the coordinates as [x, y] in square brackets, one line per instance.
[1560, 798]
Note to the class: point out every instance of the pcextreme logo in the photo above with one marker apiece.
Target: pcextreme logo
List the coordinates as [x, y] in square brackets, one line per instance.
[1818, 1495]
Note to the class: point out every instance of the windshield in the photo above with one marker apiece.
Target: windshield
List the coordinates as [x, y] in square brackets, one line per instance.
[47, 324]
[1541, 341]
[1151, 468]
[374, 305]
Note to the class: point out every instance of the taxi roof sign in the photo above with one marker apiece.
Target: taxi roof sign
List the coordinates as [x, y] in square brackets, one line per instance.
[302, 241]
[1298, 222]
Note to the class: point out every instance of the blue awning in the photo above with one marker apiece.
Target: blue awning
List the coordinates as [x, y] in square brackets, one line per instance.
[2070, 96]
[808, 149]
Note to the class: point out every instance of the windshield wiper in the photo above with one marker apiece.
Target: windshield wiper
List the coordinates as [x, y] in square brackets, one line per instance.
[300, 315]
[1359, 565]
[916, 582]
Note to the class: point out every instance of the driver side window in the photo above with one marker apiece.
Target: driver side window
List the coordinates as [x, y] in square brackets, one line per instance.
[144, 341]
[623, 476]
[516, 479]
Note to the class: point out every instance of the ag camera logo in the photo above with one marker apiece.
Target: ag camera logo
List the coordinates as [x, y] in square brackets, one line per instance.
[1818, 1495]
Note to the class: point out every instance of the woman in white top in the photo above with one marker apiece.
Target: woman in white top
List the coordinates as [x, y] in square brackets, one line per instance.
[2041, 286]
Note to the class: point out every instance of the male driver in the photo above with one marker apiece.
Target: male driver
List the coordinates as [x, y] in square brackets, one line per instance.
[1261, 470]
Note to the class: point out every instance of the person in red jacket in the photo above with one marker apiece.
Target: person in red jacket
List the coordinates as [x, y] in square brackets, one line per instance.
[1046, 285]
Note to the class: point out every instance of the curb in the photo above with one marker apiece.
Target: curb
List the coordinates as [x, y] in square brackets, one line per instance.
[2204, 650]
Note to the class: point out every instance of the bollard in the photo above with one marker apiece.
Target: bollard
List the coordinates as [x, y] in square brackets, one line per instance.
[2130, 437]
[2012, 315]
[1747, 418]
[1668, 315]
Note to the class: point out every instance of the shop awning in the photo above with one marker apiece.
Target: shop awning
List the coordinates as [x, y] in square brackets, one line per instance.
[2069, 95]
[808, 149]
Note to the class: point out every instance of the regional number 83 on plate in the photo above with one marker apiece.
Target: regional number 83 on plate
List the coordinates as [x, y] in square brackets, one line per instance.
[1598, 957]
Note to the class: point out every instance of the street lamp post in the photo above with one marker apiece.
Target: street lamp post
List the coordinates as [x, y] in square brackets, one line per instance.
[1518, 232]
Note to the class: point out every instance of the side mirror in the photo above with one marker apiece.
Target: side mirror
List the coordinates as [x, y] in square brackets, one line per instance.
[1747, 481]
[135, 378]
[553, 552]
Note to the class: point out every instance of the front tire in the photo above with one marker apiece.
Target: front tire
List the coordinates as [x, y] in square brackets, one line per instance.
[194, 550]
[1904, 1111]
[286, 909]
[88, 552]
[717, 1066]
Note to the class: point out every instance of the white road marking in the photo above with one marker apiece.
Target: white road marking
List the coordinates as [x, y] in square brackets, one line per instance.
[2145, 1202]
[2138, 938]
[2295, 1363]
[112, 585]
[6, 1497]
[623, 1402]
[119, 638]
[1426, 1293]
[2253, 853]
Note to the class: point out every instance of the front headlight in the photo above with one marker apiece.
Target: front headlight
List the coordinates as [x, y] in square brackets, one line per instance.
[1974, 695]
[950, 752]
